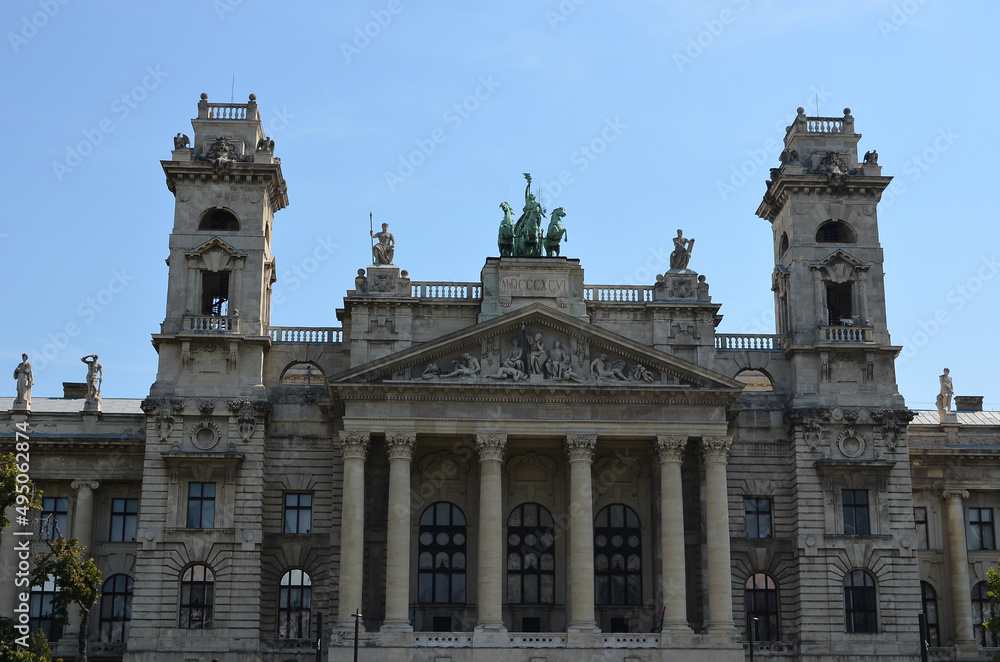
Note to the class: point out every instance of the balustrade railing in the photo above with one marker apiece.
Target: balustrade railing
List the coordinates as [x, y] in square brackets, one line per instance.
[845, 334]
[749, 342]
[211, 324]
[618, 293]
[442, 290]
[305, 334]
[825, 124]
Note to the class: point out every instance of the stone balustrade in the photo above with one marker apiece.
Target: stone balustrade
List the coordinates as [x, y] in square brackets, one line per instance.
[211, 324]
[442, 290]
[855, 334]
[305, 334]
[749, 342]
[825, 125]
[618, 293]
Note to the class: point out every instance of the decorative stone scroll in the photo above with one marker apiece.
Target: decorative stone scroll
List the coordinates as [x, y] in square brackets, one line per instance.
[491, 446]
[670, 448]
[581, 447]
[354, 444]
[949, 494]
[716, 449]
[399, 445]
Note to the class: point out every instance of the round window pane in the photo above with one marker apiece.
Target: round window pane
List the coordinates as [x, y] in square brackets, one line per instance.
[601, 562]
[531, 540]
[426, 538]
[458, 538]
[601, 541]
[633, 541]
[513, 540]
[545, 541]
[634, 563]
[442, 538]
[617, 562]
[617, 541]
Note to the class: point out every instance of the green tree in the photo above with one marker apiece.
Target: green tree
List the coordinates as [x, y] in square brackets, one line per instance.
[21, 496]
[38, 646]
[77, 580]
[993, 591]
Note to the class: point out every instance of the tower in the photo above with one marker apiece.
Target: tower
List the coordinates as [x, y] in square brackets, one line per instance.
[200, 527]
[828, 279]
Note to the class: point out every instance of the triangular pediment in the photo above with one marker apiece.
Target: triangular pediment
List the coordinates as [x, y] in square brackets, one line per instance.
[840, 255]
[216, 255]
[536, 346]
[839, 266]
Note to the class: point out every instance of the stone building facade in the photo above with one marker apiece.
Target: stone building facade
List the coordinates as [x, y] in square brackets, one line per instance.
[525, 466]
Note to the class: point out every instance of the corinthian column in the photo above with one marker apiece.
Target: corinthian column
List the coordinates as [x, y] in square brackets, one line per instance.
[399, 446]
[673, 570]
[491, 544]
[83, 530]
[720, 579]
[580, 450]
[354, 450]
[958, 559]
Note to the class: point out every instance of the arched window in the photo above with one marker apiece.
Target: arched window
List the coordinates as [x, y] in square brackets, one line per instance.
[982, 611]
[40, 609]
[617, 556]
[219, 220]
[860, 602]
[835, 232]
[441, 554]
[530, 556]
[928, 599]
[783, 246]
[755, 380]
[303, 374]
[761, 599]
[116, 609]
[197, 598]
[294, 605]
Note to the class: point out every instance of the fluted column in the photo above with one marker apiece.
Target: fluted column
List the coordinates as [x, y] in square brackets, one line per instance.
[399, 446]
[489, 598]
[580, 450]
[83, 531]
[670, 451]
[354, 450]
[720, 580]
[958, 558]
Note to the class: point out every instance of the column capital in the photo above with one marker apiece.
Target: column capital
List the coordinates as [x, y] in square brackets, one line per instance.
[399, 445]
[491, 446]
[85, 482]
[951, 494]
[716, 448]
[670, 447]
[354, 444]
[581, 446]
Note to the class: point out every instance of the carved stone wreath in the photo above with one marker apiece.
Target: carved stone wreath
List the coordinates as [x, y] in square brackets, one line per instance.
[205, 435]
[851, 443]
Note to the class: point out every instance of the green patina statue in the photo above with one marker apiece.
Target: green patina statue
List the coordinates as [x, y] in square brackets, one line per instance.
[555, 233]
[528, 229]
[505, 237]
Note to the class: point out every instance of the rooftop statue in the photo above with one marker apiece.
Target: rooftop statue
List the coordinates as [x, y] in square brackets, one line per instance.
[383, 251]
[25, 380]
[505, 237]
[528, 229]
[947, 390]
[682, 252]
[95, 376]
[555, 233]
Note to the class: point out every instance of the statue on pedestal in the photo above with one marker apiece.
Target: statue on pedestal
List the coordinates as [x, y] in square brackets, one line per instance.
[555, 233]
[682, 252]
[383, 251]
[947, 390]
[25, 380]
[528, 229]
[505, 236]
[95, 376]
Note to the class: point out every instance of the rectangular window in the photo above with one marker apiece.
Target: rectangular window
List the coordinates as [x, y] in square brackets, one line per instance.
[215, 293]
[838, 301]
[979, 533]
[758, 517]
[54, 518]
[856, 513]
[124, 513]
[298, 513]
[920, 522]
[201, 506]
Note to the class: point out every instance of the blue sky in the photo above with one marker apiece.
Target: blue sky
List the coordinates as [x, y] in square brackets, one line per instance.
[427, 114]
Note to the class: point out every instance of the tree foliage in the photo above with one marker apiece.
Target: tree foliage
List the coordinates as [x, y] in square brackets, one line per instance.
[38, 649]
[22, 496]
[993, 591]
[77, 582]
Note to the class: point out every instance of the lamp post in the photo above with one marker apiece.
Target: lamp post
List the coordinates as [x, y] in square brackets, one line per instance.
[751, 624]
[357, 620]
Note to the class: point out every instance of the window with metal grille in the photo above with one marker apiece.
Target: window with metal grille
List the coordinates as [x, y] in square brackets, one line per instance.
[197, 598]
[116, 609]
[617, 556]
[441, 554]
[294, 605]
[860, 602]
[761, 597]
[530, 555]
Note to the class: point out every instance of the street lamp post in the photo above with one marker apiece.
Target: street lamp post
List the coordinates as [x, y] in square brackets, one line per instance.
[751, 624]
[357, 620]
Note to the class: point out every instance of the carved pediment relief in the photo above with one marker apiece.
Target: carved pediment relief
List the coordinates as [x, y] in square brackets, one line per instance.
[839, 267]
[537, 345]
[216, 255]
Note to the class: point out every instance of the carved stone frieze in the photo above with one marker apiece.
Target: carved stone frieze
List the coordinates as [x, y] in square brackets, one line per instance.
[581, 447]
[491, 446]
[400, 445]
[716, 448]
[670, 448]
[354, 444]
[206, 406]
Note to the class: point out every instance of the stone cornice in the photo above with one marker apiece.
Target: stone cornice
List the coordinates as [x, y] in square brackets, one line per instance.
[491, 446]
[580, 447]
[670, 448]
[354, 445]
[400, 445]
